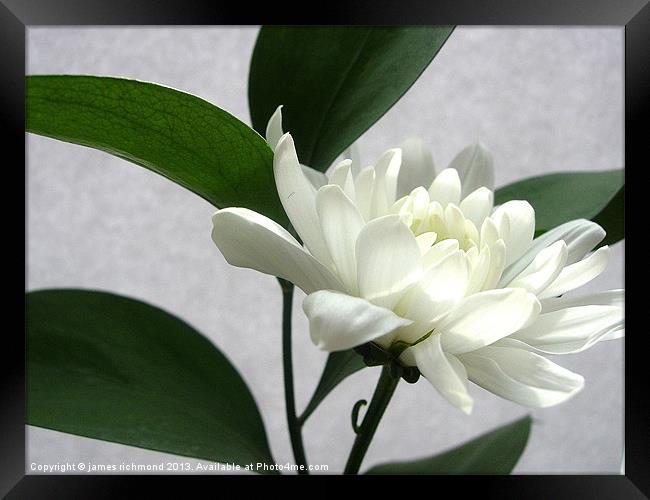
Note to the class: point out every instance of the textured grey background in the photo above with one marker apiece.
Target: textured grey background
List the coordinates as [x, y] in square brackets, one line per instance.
[542, 99]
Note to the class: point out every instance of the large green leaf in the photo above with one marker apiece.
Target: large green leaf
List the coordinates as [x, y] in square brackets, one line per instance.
[113, 368]
[496, 452]
[612, 218]
[335, 82]
[339, 366]
[561, 197]
[177, 135]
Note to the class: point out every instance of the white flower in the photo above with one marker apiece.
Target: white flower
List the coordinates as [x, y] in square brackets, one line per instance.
[433, 273]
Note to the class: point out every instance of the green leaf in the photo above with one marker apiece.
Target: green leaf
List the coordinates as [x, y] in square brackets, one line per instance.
[496, 452]
[559, 198]
[339, 366]
[184, 138]
[335, 82]
[113, 368]
[612, 218]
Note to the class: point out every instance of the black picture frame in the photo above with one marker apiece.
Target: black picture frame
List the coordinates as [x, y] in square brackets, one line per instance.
[16, 15]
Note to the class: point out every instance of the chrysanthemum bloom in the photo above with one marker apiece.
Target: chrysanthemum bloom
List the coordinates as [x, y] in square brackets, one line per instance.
[427, 268]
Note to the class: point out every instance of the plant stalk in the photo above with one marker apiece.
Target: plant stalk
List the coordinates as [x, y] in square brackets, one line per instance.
[380, 399]
[295, 432]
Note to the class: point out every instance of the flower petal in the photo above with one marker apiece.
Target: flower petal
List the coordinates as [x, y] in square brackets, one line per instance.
[455, 222]
[544, 269]
[273, 135]
[521, 221]
[438, 252]
[385, 190]
[489, 232]
[342, 176]
[352, 153]
[480, 270]
[274, 128]
[576, 275]
[442, 286]
[497, 264]
[248, 239]
[417, 166]
[425, 241]
[298, 198]
[580, 236]
[443, 371]
[521, 376]
[607, 298]
[582, 239]
[388, 260]
[613, 334]
[417, 306]
[571, 330]
[364, 187]
[341, 223]
[475, 168]
[419, 205]
[446, 187]
[485, 317]
[404, 208]
[338, 321]
[477, 205]
[317, 179]
[449, 278]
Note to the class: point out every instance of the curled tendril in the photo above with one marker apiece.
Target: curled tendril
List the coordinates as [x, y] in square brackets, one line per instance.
[355, 415]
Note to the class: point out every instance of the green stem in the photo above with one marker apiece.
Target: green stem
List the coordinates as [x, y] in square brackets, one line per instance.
[380, 399]
[293, 423]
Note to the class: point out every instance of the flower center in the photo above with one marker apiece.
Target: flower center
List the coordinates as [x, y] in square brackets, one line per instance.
[424, 216]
